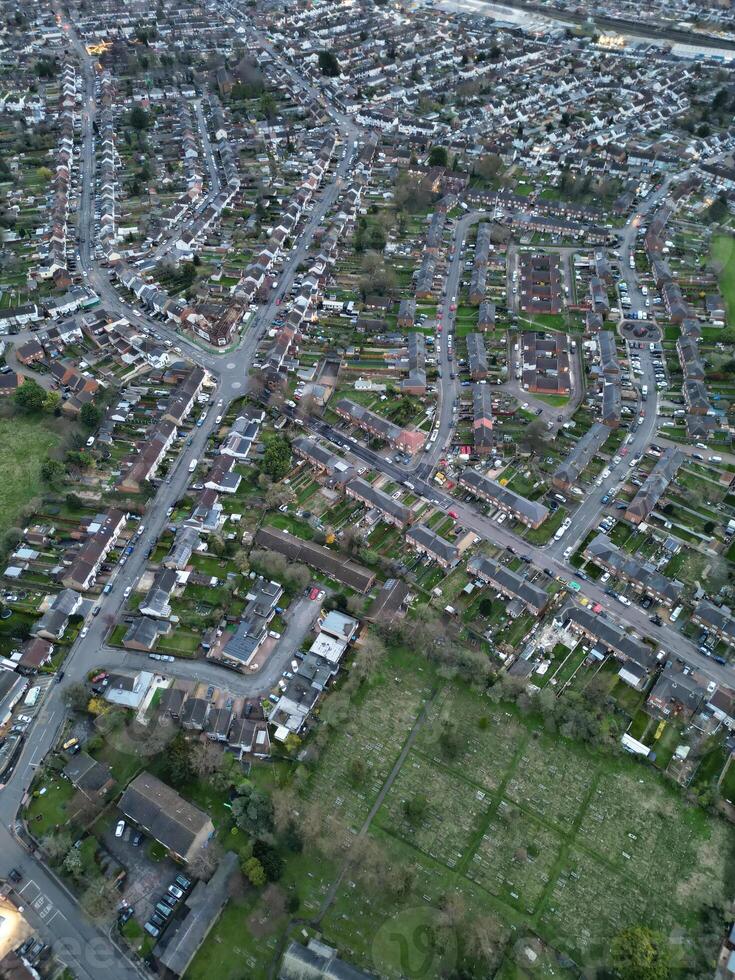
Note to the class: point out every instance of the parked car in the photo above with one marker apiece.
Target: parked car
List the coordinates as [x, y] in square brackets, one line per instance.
[120, 828]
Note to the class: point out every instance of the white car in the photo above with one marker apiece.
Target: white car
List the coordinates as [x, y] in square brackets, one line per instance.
[83, 632]
[127, 591]
[120, 829]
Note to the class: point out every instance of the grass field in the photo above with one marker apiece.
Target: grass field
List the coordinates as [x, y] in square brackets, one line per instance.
[24, 444]
[723, 252]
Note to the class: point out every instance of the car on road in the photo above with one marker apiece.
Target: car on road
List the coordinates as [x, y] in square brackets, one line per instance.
[624, 599]
[453, 514]
[120, 828]
[83, 632]
[574, 586]
[127, 591]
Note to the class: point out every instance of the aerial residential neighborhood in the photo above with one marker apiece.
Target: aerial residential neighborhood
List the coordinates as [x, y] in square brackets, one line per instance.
[367, 522]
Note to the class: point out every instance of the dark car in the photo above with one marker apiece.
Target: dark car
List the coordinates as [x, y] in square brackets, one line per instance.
[137, 839]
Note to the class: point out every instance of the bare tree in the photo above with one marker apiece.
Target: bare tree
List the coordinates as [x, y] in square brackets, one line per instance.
[206, 757]
[205, 861]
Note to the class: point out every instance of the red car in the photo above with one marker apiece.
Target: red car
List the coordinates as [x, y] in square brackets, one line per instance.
[597, 608]
[314, 594]
[452, 514]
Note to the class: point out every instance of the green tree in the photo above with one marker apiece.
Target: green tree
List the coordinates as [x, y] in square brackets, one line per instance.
[438, 157]
[269, 858]
[276, 458]
[139, 118]
[52, 471]
[73, 864]
[90, 415]
[415, 809]
[639, 953]
[30, 396]
[52, 401]
[252, 810]
[328, 64]
[177, 762]
[253, 871]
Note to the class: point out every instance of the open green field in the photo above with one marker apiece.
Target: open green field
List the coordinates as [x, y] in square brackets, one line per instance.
[723, 252]
[24, 444]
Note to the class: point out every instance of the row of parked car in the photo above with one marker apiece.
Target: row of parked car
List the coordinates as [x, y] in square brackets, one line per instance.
[167, 905]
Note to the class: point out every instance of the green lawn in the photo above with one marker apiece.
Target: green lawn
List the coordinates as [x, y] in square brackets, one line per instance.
[24, 445]
[723, 252]
[49, 810]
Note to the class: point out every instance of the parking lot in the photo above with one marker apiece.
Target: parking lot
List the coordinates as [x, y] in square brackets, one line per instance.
[147, 878]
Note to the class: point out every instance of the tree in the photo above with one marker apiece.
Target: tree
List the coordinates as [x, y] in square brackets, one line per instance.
[534, 436]
[56, 845]
[639, 953]
[30, 396]
[177, 763]
[73, 864]
[277, 496]
[270, 859]
[75, 697]
[415, 809]
[100, 900]
[370, 654]
[328, 64]
[252, 810]
[438, 156]
[489, 166]
[139, 118]
[717, 211]
[206, 860]
[205, 758]
[52, 401]
[90, 415]
[276, 458]
[253, 871]
[357, 772]
[97, 706]
[242, 561]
